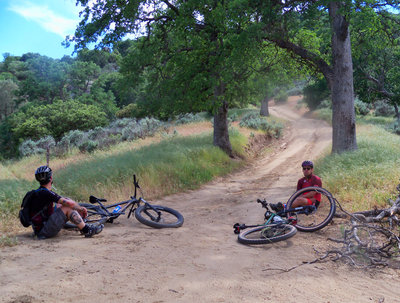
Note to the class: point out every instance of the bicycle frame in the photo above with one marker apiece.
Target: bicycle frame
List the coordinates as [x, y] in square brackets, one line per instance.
[270, 216]
[133, 203]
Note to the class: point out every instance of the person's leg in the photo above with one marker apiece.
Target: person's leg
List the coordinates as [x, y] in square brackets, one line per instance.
[72, 215]
[87, 229]
[53, 225]
[301, 201]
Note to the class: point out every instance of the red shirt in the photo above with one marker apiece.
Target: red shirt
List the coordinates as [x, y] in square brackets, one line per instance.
[312, 181]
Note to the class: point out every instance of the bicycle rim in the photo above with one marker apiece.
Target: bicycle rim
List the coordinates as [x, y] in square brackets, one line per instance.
[321, 217]
[265, 234]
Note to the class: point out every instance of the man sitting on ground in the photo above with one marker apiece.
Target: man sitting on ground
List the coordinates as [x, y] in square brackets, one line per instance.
[49, 211]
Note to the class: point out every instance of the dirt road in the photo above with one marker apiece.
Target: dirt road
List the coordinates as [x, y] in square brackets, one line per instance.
[201, 261]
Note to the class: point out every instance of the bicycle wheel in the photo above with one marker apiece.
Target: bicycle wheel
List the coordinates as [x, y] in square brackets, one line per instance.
[265, 234]
[319, 218]
[95, 215]
[158, 216]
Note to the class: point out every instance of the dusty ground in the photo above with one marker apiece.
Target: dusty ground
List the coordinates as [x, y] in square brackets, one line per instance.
[201, 261]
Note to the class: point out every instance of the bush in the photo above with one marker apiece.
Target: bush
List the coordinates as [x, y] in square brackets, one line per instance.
[56, 119]
[233, 117]
[383, 108]
[27, 148]
[361, 108]
[188, 118]
[254, 121]
[131, 110]
[45, 143]
[120, 130]
[88, 146]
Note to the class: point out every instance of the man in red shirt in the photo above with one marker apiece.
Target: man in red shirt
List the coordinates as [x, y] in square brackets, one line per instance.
[309, 179]
[308, 198]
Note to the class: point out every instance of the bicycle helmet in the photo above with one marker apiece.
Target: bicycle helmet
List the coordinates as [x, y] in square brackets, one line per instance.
[307, 163]
[43, 174]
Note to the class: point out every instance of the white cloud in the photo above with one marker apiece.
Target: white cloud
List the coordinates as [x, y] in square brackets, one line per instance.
[45, 17]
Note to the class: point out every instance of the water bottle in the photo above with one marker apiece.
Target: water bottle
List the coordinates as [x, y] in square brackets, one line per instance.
[277, 219]
[117, 209]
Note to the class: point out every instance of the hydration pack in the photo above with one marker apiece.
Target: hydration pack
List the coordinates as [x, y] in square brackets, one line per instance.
[24, 213]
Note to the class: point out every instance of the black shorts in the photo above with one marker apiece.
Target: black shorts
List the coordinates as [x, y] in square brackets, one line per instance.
[53, 225]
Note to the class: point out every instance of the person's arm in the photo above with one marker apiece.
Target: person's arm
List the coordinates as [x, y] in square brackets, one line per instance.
[73, 205]
[317, 183]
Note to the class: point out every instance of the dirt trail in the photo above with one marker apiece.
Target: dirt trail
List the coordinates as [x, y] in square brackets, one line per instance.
[201, 261]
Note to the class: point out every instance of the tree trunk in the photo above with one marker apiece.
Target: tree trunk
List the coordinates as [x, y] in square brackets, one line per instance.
[397, 115]
[343, 113]
[264, 111]
[221, 134]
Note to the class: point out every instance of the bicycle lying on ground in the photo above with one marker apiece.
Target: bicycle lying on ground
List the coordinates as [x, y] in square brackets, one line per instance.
[156, 216]
[281, 225]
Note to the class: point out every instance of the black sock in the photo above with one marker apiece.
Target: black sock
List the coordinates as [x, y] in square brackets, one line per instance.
[85, 229]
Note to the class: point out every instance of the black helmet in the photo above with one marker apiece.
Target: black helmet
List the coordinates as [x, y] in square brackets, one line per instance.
[43, 174]
[307, 163]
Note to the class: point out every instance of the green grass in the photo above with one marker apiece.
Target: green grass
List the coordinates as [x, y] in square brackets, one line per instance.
[367, 177]
[369, 119]
[179, 164]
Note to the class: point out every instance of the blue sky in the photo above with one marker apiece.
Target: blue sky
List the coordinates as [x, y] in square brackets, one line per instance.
[37, 26]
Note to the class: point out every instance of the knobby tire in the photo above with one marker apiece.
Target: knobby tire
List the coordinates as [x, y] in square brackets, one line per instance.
[265, 234]
[321, 217]
[169, 217]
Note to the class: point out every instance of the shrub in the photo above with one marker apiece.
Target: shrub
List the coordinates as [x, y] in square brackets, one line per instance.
[46, 142]
[119, 130]
[74, 137]
[56, 119]
[27, 148]
[234, 117]
[88, 146]
[383, 108]
[254, 121]
[188, 118]
[361, 108]
[97, 133]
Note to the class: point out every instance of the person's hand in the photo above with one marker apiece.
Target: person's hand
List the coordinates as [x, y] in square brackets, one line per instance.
[83, 212]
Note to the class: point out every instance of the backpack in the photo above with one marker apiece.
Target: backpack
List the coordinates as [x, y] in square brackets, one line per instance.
[24, 213]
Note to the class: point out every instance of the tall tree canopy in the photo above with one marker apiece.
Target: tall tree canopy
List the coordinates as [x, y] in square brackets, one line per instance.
[196, 54]
[207, 48]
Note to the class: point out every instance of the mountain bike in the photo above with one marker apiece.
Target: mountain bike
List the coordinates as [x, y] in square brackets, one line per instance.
[283, 224]
[156, 216]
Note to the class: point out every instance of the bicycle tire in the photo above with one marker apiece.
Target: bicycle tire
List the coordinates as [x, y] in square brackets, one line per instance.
[321, 217]
[95, 215]
[169, 217]
[265, 234]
